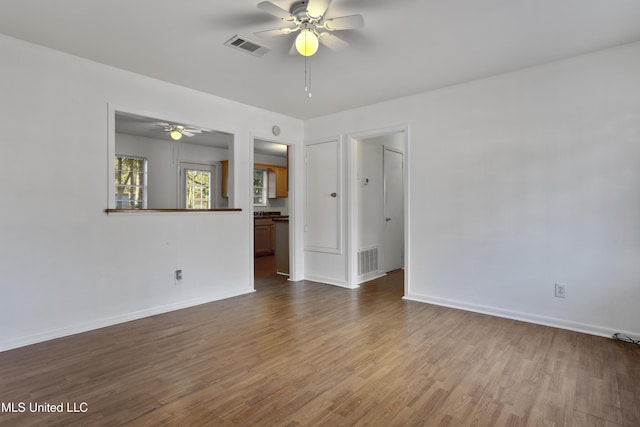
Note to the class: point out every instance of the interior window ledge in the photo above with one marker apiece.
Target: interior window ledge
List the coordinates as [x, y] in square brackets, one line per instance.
[110, 211]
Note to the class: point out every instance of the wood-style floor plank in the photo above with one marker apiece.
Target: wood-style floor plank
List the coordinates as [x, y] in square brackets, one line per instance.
[298, 354]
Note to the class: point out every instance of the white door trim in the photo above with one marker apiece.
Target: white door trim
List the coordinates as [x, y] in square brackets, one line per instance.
[353, 209]
[296, 255]
[213, 168]
[385, 255]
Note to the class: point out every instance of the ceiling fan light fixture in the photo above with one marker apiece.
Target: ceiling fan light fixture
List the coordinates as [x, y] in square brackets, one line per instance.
[175, 134]
[307, 43]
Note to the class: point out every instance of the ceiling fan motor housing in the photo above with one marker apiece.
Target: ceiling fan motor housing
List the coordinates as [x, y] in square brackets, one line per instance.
[299, 10]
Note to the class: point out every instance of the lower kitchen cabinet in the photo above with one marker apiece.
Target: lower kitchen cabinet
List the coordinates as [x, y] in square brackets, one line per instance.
[264, 238]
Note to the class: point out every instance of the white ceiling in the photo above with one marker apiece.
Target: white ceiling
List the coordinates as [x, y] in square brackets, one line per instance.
[153, 128]
[406, 46]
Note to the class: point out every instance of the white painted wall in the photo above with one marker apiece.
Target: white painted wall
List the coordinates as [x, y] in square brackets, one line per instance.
[270, 160]
[66, 266]
[517, 182]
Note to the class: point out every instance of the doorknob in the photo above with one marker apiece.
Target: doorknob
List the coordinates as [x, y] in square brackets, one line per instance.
[334, 194]
[387, 219]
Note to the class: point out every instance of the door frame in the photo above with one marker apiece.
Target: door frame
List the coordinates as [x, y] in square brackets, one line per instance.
[213, 168]
[385, 256]
[295, 270]
[354, 209]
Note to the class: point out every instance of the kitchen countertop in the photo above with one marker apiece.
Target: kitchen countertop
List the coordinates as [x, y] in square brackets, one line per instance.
[255, 217]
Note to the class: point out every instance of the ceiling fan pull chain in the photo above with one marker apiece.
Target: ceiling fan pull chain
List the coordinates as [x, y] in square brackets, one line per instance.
[309, 79]
[306, 87]
[307, 76]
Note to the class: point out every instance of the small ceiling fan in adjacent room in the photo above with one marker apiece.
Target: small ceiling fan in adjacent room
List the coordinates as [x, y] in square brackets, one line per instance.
[176, 131]
[308, 18]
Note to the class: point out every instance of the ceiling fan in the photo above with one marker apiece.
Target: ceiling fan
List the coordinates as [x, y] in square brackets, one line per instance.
[177, 131]
[308, 17]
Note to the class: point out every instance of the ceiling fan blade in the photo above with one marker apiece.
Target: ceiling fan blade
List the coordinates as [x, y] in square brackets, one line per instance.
[332, 42]
[274, 10]
[344, 23]
[186, 133]
[317, 8]
[193, 130]
[293, 50]
[275, 32]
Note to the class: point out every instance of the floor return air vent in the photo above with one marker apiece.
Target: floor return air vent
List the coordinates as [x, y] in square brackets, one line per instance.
[367, 260]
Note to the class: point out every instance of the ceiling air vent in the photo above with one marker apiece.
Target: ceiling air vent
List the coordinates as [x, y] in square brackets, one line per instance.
[245, 45]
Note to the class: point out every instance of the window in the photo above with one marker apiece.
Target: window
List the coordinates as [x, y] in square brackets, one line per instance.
[130, 182]
[260, 187]
[197, 189]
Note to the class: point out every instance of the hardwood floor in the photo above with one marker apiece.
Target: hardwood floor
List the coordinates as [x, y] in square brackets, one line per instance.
[265, 272]
[310, 354]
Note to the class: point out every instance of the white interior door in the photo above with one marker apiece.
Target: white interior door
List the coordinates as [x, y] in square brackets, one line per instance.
[393, 209]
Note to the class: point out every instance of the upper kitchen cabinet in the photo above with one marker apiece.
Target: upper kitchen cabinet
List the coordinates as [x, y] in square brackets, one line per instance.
[277, 180]
[272, 161]
[277, 184]
[224, 178]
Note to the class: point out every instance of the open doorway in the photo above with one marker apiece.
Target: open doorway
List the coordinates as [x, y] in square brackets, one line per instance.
[271, 206]
[379, 211]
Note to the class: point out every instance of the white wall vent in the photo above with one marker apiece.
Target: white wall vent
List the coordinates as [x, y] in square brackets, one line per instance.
[245, 45]
[367, 260]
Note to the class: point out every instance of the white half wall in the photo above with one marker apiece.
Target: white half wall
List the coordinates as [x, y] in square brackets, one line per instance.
[65, 265]
[518, 182]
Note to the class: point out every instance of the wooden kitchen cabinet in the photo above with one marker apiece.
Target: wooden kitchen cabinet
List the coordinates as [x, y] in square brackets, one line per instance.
[278, 176]
[277, 185]
[264, 237]
[224, 180]
[277, 182]
[281, 182]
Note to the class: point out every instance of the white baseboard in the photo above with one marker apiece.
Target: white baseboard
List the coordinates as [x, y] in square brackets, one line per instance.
[110, 321]
[330, 281]
[371, 276]
[522, 316]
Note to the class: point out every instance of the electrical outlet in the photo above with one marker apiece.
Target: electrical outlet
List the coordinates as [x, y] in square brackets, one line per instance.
[178, 275]
[561, 290]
